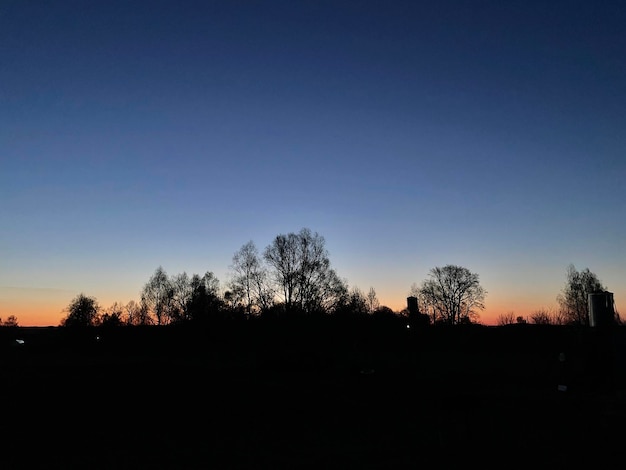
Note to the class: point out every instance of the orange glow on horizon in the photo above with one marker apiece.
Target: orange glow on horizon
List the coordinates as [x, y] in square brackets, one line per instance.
[46, 307]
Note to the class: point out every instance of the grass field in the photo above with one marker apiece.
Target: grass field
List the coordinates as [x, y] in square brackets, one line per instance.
[311, 394]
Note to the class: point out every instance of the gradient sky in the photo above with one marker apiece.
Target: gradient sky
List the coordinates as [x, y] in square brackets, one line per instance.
[410, 135]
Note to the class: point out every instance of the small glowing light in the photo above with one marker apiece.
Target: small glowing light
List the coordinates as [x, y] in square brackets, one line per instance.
[19, 341]
[408, 326]
[97, 338]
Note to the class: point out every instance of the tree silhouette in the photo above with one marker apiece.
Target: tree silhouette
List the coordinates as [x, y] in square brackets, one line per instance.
[204, 303]
[111, 320]
[384, 312]
[372, 300]
[11, 321]
[507, 318]
[82, 311]
[137, 314]
[302, 272]
[453, 293]
[250, 283]
[112, 316]
[573, 299]
[157, 295]
[354, 303]
[181, 296]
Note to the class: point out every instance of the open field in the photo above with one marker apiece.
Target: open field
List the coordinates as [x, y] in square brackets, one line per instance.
[311, 394]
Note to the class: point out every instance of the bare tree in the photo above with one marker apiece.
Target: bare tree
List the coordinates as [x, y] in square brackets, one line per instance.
[302, 272]
[157, 295]
[354, 303]
[325, 292]
[454, 293]
[573, 299]
[507, 318]
[136, 314]
[430, 307]
[181, 295]
[541, 317]
[372, 301]
[547, 316]
[249, 283]
[559, 317]
[112, 316]
[282, 256]
[211, 284]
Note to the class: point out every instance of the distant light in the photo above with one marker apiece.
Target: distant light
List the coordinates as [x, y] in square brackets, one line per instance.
[97, 338]
[19, 341]
[408, 326]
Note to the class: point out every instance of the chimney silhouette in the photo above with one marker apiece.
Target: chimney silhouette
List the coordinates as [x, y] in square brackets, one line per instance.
[416, 318]
[412, 307]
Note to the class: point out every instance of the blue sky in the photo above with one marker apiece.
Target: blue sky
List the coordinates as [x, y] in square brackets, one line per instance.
[409, 134]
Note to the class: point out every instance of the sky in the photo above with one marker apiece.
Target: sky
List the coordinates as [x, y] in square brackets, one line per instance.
[409, 134]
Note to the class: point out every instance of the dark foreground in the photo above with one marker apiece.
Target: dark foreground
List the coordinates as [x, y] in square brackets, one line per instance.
[312, 395]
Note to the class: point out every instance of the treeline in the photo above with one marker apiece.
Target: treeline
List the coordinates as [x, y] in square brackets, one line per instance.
[293, 277]
[573, 303]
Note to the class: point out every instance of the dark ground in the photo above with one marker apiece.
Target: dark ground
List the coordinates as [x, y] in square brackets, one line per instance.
[312, 394]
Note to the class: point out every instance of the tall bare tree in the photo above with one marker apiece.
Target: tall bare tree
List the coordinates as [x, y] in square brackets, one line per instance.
[372, 301]
[282, 256]
[454, 293]
[157, 295]
[302, 272]
[181, 296]
[249, 283]
[573, 298]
